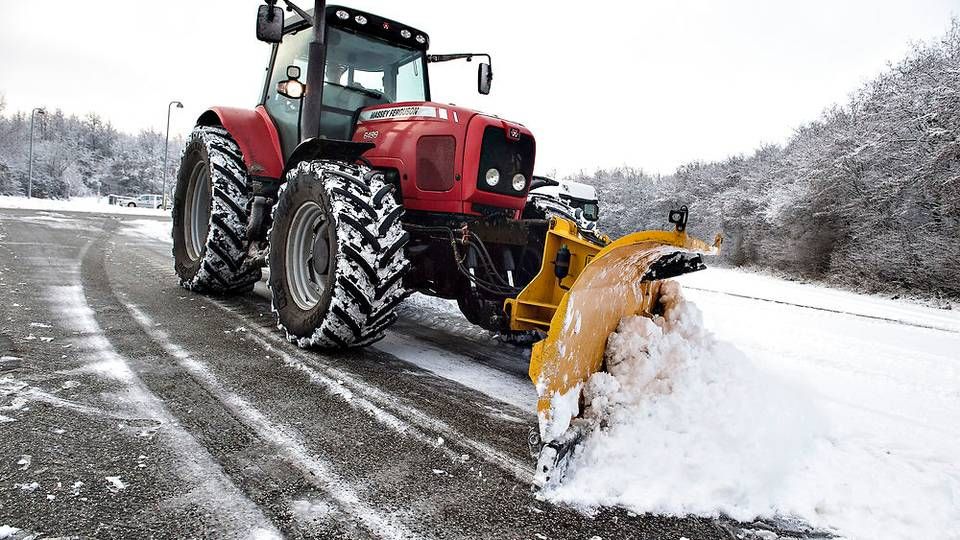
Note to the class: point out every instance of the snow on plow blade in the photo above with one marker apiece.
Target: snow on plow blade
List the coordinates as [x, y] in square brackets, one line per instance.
[580, 306]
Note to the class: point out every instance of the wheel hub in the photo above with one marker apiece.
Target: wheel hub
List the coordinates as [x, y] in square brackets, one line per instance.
[321, 251]
[307, 256]
[197, 215]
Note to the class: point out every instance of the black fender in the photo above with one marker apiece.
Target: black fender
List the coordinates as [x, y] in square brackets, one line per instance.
[332, 149]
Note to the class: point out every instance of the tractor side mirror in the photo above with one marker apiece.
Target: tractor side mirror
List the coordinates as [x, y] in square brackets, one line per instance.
[292, 88]
[270, 23]
[484, 78]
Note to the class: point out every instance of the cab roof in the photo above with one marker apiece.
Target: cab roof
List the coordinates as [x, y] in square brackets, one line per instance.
[375, 25]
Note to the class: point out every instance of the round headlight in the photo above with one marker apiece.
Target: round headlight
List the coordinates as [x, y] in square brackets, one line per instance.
[343, 14]
[405, 34]
[519, 182]
[420, 39]
[360, 19]
[493, 177]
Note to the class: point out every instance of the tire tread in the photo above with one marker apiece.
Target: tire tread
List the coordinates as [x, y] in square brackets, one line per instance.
[370, 264]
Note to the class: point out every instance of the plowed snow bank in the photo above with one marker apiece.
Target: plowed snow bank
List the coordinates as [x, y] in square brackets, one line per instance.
[688, 425]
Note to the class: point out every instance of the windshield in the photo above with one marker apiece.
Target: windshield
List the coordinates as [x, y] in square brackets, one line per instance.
[365, 63]
[362, 71]
[591, 209]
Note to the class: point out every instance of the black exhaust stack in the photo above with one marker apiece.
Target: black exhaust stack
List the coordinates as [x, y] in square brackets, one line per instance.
[313, 100]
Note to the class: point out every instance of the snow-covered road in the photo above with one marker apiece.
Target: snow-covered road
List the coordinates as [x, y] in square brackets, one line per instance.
[839, 409]
[130, 407]
[885, 375]
[420, 436]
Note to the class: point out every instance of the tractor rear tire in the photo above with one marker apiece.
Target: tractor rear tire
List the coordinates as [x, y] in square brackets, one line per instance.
[210, 216]
[336, 255]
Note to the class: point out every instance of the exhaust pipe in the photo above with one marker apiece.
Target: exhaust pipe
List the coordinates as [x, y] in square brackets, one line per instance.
[313, 100]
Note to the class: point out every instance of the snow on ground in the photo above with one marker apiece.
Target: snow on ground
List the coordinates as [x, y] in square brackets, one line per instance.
[453, 366]
[441, 313]
[765, 287]
[153, 229]
[77, 204]
[769, 409]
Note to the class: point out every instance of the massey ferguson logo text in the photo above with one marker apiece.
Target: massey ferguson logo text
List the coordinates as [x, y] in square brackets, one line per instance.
[399, 112]
[390, 113]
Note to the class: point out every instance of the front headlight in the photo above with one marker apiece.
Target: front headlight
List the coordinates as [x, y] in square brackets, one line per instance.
[519, 182]
[492, 177]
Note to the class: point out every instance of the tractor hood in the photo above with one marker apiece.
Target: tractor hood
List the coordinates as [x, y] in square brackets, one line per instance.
[443, 154]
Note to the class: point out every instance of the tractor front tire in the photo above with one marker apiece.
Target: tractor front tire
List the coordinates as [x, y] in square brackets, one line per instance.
[336, 255]
[210, 216]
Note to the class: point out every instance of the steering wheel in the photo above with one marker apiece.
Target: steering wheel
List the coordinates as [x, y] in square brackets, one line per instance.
[376, 94]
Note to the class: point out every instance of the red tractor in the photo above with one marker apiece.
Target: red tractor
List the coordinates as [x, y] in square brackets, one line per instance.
[355, 189]
[363, 188]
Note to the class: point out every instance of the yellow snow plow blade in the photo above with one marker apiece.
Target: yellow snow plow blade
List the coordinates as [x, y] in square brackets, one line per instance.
[579, 310]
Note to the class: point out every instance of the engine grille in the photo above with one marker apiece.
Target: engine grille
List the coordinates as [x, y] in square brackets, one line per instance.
[507, 156]
[435, 157]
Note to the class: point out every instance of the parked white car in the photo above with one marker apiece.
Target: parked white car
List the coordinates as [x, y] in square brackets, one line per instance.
[145, 201]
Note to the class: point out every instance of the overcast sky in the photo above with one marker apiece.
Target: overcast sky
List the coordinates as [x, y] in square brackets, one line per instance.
[651, 84]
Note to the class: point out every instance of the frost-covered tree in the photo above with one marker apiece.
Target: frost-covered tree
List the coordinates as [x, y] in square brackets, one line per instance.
[867, 195]
[79, 156]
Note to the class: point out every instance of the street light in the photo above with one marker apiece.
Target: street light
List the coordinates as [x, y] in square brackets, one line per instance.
[33, 115]
[166, 145]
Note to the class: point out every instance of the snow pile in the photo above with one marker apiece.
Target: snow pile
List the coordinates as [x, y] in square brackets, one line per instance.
[688, 425]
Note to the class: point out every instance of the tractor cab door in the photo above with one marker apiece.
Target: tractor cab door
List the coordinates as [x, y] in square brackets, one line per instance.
[285, 112]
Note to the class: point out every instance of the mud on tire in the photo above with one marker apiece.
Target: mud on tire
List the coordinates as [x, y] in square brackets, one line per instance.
[336, 255]
[210, 215]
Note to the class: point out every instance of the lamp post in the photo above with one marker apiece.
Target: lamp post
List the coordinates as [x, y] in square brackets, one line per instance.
[166, 145]
[33, 115]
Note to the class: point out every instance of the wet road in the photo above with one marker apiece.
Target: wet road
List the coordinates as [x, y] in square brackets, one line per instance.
[131, 408]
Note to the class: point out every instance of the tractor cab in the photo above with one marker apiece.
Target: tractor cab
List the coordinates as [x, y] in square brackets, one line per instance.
[369, 61]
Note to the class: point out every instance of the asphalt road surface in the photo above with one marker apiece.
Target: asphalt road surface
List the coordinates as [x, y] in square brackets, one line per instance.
[131, 408]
